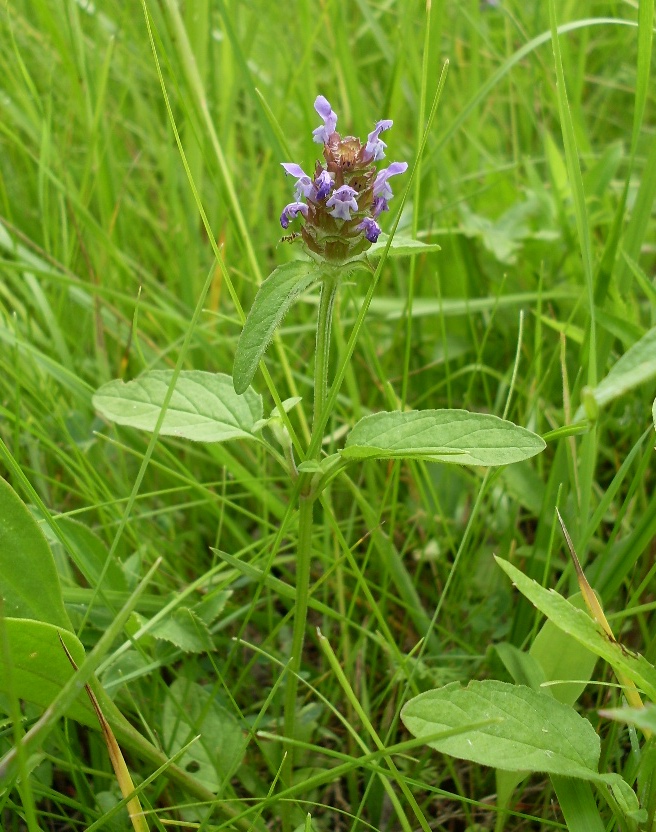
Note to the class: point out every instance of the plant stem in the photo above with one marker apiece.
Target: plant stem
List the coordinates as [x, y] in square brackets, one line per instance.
[307, 499]
[322, 356]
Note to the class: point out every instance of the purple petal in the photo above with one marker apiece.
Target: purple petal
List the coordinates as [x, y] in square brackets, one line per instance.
[375, 147]
[303, 184]
[343, 202]
[370, 228]
[397, 167]
[322, 133]
[322, 106]
[323, 183]
[380, 205]
[293, 169]
[291, 211]
[381, 188]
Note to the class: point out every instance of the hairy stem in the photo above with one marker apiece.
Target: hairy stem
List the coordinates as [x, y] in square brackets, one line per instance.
[304, 549]
[322, 356]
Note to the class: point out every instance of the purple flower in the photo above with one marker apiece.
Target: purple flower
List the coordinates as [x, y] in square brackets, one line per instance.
[342, 202]
[370, 228]
[375, 148]
[321, 134]
[323, 183]
[289, 212]
[303, 182]
[382, 190]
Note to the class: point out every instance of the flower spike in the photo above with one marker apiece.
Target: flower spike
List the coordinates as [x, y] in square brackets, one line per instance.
[342, 198]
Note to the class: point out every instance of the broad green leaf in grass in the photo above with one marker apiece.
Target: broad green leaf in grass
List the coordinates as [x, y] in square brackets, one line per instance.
[39, 666]
[400, 247]
[455, 436]
[554, 656]
[29, 583]
[637, 366]
[563, 658]
[184, 629]
[584, 629]
[274, 298]
[191, 710]
[204, 406]
[534, 732]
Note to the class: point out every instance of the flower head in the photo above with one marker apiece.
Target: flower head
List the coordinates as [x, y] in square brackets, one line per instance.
[344, 195]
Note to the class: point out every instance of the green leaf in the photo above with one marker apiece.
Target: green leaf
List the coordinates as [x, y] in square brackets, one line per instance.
[455, 436]
[400, 247]
[577, 803]
[204, 406]
[185, 630]
[274, 298]
[39, 667]
[534, 732]
[563, 658]
[635, 367]
[584, 629]
[29, 583]
[191, 710]
[524, 668]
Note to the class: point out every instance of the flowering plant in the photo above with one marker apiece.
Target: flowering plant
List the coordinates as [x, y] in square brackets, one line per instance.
[339, 206]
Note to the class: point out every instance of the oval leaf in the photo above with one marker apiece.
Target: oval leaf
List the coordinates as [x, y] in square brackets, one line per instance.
[204, 406]
[455, 436]
[40, 667]
[275, 296]
[29, 583]
[534, 731]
